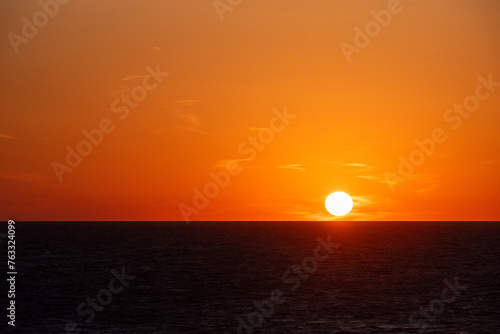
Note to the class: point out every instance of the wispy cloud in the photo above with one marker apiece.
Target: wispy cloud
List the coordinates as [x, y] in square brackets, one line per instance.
[297, 167]
[188, 121]
[363, 171]
[368, 177]
[5, 136]
[365, 208]
[325, 216]
[134, 77]
[355, 166]
[373, 177]
[119, 92]
[186, 101]
[180, 120]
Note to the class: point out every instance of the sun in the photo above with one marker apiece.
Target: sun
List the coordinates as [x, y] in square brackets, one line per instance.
[338, 203]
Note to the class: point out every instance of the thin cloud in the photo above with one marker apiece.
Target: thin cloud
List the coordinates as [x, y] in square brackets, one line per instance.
[354, 165]
[180, 121]
[365, 208]
[188, 119]
[373, 177]
[185, 121]
[5, 136]
[297, 167]
[325, 216]
[119, 92]
[369, 177]
[362, 170]
[134, 77]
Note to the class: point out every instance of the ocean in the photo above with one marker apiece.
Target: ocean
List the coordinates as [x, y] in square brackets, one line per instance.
[256, 277]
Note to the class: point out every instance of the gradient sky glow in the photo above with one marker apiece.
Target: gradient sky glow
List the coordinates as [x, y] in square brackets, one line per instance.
[225, 78]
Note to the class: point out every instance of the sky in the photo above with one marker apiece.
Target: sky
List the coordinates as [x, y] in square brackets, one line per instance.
[249, 110]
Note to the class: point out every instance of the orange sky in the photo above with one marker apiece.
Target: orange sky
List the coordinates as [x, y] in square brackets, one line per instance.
[227, 80]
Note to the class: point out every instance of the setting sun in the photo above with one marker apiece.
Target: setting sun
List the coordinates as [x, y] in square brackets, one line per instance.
[338, 203]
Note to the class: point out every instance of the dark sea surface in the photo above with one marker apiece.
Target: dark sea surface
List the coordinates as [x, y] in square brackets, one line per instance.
[213, 277]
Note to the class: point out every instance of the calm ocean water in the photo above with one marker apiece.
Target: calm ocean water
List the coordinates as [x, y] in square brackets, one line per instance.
[257, 277]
